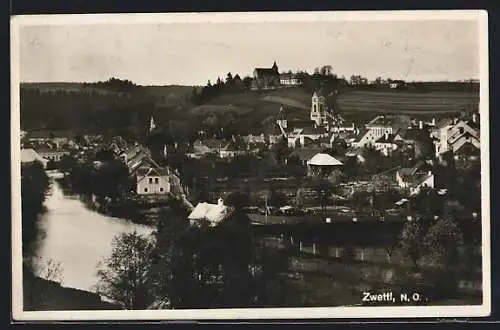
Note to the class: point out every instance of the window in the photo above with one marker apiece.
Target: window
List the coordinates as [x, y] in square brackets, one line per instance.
[157, 180]
[161, 189]
[314, 108]
[145, 189]
[150, 180]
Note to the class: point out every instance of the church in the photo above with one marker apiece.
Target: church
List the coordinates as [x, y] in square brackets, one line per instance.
[266, 78]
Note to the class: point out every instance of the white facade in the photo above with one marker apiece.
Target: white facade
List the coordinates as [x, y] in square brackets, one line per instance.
[318, 108]
[153, 183]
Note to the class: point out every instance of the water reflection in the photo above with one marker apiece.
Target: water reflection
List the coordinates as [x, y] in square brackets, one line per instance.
[78, 238]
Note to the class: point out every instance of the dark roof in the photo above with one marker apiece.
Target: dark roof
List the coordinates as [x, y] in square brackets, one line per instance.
[266, 71]
[468, 149]
[313, 130]
[386, 138]
[305, 153]
[410, 134]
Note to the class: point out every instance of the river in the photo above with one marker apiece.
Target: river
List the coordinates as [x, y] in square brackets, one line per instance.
[77, 238]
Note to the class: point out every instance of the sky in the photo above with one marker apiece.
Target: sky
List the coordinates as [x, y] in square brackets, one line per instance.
[192, 53]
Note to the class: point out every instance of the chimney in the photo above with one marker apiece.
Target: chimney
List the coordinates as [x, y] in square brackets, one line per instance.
[474, 117]
[433, 122]
[386, 136]
[420, 124]
[220, 201]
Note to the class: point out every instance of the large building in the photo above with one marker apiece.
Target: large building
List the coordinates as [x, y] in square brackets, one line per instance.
[319, 107]
[266, 78]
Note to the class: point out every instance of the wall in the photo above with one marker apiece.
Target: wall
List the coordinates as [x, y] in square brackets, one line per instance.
[153, 188]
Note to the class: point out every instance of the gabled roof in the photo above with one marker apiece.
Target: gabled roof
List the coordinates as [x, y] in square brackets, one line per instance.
[468, 149]
[214, 213]
[143, 172]
[30, 156]
[213, 143]
[322, 159]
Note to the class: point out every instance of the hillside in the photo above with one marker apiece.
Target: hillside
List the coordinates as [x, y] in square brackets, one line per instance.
[79, 107]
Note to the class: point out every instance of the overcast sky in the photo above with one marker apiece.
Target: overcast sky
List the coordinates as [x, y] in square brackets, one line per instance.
[187, 54]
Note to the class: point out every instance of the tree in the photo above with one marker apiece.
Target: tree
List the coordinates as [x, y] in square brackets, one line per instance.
[229, 79]
[442, 242]
[124, 276]
[412, 242]
[326, 70]
[324, 190]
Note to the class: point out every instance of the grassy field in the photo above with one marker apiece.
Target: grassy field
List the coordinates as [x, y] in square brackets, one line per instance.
[407, 103]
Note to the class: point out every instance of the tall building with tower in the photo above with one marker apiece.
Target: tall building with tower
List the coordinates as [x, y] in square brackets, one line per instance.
[319, 107]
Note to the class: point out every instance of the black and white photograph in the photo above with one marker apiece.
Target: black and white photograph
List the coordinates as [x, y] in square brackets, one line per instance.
[274, 165]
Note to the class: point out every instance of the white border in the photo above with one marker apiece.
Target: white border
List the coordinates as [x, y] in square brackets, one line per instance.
[265, 313]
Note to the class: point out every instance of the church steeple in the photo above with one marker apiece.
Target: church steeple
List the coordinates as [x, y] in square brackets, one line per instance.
[152, 124]
[275, 67]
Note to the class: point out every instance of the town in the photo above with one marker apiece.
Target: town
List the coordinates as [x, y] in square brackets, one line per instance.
[316, 175]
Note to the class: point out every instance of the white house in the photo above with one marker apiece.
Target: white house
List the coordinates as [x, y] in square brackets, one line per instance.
[453, 134]
[152, 181]
[410, 178]
[386, 144]
[213, 214]
[290, 80]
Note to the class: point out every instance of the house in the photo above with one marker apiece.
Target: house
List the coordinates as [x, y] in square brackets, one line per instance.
[54, 155]
[386, 144]
[452, 135]
[118, 145]
[137, 157]
[152, 181]
[206, 146]
[395, 84]
[356, 153]
[209, 213]
[373, 131]
[30, 156]
[313, 133]
[266, 78]
[290, 80]
[233, 149]
[415, 178]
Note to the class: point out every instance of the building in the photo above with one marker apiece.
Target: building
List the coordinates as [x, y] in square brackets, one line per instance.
[302, 155]
[54, 155]
[211, 214]
[319, 107]
[415, 178]
[386, 144]
[290, 80]
[452, 135]
[372, 132]
[266, 78]
[30, 156]
[395, 84]
[322, 163]
[153, 181]
[206, 146]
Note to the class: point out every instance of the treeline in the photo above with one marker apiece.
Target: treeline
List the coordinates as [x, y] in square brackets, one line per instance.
[82, 110]
[114, 84]
[230, 85]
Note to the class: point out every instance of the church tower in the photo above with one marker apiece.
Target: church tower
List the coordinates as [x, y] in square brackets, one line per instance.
[281, 118]
[318, 108]
[275, 67]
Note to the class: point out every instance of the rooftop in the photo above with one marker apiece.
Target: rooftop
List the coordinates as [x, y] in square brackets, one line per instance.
[214, 213]
[322, 159]
[380, 121]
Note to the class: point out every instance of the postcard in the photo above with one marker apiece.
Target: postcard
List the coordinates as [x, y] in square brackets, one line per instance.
[250, 166]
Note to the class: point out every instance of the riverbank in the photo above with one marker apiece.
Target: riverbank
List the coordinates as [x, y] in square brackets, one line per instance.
[44, 295]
